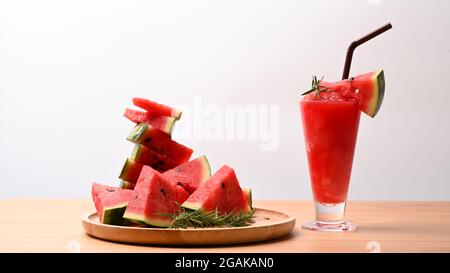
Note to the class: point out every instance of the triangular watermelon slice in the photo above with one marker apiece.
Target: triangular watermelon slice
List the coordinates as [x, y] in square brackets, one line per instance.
[110, 203]
[153, 197]
[190, 174]
[155, 109]
[221, 192]
[160, 142]
[163, 123]
[147, 156]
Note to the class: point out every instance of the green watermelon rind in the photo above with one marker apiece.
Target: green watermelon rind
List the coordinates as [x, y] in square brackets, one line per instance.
[136, 134]
[248, 195]
[170, 125]
[206, 169]
[175, 113]
[377, 91]
[139, 218]
[380, 85]
[135, 152]
[114, 215]
[126, 166]
[122, 172]
[191, 205]
[125, 185]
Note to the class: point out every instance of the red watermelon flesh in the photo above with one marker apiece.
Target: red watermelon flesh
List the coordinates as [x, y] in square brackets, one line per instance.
[147, 156]
[367, 89]
[221, 192]
[160, 142]
[182, 194]
[155, 109]
[110, 203]
[162, 123]
[153, 196]
[190, 174]
[141, 156]
[136, 116]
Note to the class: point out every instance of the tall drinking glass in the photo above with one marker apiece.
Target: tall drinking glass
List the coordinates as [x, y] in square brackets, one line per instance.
[330, 129]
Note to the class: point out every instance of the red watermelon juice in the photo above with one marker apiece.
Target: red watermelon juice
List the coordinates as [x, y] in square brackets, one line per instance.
[330, 129]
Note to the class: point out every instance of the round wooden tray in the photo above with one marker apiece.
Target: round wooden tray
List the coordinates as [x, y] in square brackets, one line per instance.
[268, 224]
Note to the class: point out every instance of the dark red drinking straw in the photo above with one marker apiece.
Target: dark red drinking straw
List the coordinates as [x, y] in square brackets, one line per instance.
[360, 41]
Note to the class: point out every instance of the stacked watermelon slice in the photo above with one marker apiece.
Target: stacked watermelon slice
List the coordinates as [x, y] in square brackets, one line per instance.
[158, 180]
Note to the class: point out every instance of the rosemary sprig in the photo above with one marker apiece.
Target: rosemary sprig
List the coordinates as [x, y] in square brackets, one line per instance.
[315, 86]
[201, 219]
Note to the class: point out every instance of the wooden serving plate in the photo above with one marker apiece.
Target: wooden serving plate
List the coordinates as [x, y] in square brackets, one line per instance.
[268, 224]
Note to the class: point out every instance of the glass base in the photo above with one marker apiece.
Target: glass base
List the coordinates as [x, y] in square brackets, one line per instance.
[330, 217]
[330, 226]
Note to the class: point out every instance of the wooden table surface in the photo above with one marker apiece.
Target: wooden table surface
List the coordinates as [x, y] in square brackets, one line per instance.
[48, 225]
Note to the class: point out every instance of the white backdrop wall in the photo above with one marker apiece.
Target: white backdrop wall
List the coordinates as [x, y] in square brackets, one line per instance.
[68, 69]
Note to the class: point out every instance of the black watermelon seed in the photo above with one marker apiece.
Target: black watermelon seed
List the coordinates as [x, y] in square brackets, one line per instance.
[222, 185]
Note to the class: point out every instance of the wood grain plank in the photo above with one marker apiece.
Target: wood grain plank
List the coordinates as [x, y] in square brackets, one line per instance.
[51, 225]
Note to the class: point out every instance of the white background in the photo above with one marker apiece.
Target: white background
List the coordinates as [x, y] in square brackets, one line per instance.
[69, 68]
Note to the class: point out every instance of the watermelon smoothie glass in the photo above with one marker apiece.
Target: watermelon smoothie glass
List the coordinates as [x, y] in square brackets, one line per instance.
[330, 129]
[330, 116]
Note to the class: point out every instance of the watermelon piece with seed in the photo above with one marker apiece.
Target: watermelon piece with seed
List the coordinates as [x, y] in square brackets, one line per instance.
[367, 89]
[110, 203]
[220, 192]
[160, 142]
[147, 156]
[141, 156]
[190, 175]
[182, 194]
[163, 123]
[155, 109]
[153, 197]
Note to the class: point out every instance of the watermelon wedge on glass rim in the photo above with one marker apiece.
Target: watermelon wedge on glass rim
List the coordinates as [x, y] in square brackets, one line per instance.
[367, 89]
